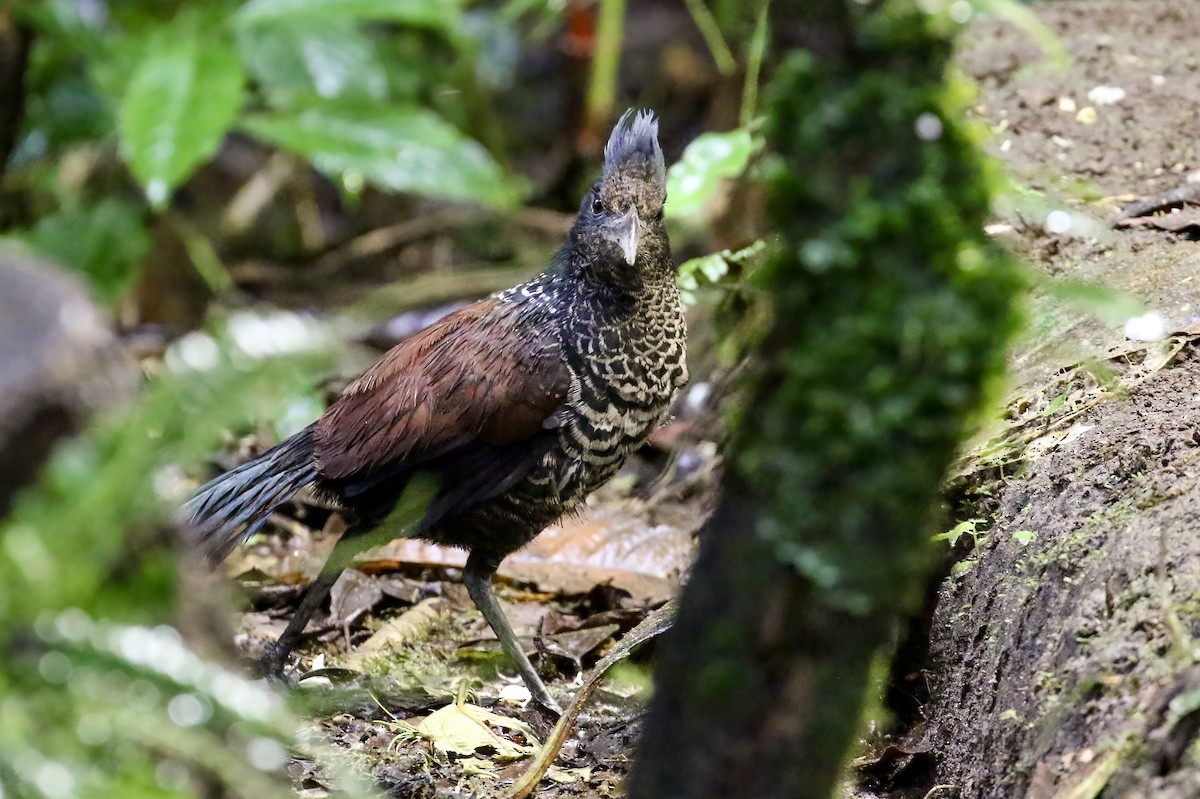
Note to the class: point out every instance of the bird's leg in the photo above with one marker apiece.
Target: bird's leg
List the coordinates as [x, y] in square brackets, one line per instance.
[477, 576]
[278, 650]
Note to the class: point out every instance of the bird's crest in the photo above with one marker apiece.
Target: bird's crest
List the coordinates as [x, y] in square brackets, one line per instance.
[634, 143]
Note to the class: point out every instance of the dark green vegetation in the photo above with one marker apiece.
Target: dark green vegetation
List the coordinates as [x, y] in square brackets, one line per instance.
[889, 312]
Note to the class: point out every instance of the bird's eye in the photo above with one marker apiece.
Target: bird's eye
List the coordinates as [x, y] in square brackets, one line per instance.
[597, 206]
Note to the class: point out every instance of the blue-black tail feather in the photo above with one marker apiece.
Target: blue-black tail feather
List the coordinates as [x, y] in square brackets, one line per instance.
[228, 509]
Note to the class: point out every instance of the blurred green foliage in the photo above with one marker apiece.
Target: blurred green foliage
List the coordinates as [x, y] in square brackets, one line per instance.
[99, 693]
[359, 90]
[708, 159]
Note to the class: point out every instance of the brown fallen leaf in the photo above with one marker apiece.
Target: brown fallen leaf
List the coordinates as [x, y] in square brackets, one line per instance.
[577, 644]
[1174, 221]
[608, 545]
[353, 595]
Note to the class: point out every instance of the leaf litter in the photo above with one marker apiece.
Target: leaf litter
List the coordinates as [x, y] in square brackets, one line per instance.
[401, 643]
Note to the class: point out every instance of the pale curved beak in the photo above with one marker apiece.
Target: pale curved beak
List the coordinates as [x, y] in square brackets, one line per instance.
[625, 232]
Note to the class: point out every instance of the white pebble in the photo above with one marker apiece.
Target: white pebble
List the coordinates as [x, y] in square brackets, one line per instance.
[1058, 222]
[1106, 95]
[517, 695]
[1148, 327]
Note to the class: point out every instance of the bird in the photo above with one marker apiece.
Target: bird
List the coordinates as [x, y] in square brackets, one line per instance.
[498, 419]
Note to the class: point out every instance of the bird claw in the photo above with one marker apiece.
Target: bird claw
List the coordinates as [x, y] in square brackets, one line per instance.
[272, 665]
[547, 703]
[541, 697]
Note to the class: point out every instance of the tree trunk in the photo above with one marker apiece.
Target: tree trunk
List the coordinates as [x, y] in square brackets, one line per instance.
[889, 308]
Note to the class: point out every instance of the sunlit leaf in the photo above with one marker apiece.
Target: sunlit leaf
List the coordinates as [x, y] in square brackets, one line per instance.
[399, 149]
[714, 267]
[709, 159]
[298, 58]
[181, 100]
[463, 729]
[439, 14]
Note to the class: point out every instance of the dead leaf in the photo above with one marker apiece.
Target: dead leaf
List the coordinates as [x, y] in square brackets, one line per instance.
[353, 595]
[566, 776]
[1086, 781]
[577, 644]
[464, 729]
[654, 624]
[886, 765]
[609, 544]
[1173, 221]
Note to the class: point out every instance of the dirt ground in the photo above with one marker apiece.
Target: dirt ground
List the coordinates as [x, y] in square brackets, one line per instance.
[1055, 655]
[1056, 658]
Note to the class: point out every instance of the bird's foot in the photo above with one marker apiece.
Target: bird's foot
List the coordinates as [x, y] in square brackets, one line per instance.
[272, 664]
[542, 697]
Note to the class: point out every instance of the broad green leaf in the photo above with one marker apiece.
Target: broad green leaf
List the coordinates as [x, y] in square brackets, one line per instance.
[714, 267]
[183, 96]
[107, 242]
[399, 149]
[298, 58]
[444, 15]
[708, 160]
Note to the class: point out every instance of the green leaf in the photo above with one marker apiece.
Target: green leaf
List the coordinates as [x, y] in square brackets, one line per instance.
[301, 58]
[709, 159]
[1055, 405]
[714, 267]
[1024, 537]
[444, 15]
[182, 98]
[398, 149]
[107, 242]
[951, 536]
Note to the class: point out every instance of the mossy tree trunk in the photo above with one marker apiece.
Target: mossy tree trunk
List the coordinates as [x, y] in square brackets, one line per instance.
[889, 310]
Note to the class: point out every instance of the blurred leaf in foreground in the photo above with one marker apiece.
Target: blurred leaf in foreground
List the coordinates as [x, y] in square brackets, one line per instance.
[295, 59]
[100, 695]
[444, 15]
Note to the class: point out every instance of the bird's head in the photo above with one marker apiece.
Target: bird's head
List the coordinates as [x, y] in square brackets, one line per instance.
[621, 216]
